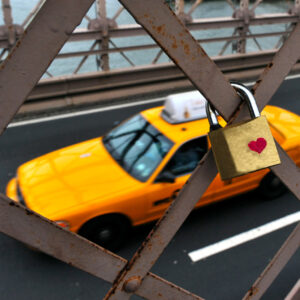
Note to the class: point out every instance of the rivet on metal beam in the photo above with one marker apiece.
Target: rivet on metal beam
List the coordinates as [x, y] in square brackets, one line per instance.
[132, 284]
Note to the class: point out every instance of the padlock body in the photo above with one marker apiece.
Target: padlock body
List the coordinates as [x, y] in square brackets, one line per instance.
[243, 148]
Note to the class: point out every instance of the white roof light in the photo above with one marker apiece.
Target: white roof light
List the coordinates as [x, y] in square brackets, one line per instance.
[184, 107]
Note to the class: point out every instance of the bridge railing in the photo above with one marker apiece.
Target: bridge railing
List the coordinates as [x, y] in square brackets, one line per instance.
[89, 57]
[93, 48]
[20, 70]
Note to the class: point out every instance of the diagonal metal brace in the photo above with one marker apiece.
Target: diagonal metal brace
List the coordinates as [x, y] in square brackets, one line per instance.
[162, 25]
[26, 63]
[32, 229]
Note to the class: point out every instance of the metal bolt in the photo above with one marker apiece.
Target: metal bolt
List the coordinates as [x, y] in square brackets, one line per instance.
[132, 284]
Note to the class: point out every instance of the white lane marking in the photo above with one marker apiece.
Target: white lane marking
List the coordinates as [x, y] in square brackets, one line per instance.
[113, 107]
[244, 237]
[83, 112]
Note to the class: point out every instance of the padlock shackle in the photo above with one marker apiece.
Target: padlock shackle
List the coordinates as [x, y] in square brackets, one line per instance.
[212, 117]
[245, 94]
[248, 97]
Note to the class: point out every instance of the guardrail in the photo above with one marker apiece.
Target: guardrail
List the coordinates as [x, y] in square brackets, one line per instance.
[101, 87]
[156, 76]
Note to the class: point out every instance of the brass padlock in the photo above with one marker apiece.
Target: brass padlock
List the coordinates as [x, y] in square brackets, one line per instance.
[243, 147]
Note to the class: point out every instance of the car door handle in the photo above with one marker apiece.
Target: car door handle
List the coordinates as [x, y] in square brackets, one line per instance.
[167, 200]
[162, 201]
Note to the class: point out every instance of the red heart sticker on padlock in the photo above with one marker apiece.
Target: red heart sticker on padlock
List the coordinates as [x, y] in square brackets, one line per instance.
[258, 146]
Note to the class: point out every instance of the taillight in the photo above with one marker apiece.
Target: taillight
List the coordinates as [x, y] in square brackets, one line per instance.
[63, 224]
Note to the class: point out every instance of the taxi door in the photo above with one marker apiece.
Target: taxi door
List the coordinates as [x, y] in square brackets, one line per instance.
[161, 194]
[174, 175]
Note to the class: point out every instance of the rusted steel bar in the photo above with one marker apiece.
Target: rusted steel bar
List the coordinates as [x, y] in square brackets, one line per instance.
[243, 13]
[284, 36]
[96, 81]
[85, 57]
[288, 172]
[227, 22]
[230, 3]
[122, 53]
[228, 42]
[38, 232]
[49, 74]
[265, 88]
[160, 236]
[165, 229]
[278, 69]
[244, 4]
[157, 56]
[8, 20]
[281, 258]
[254, 6]
[296, 8]
[255, 40]
[87, 18]
[26, 63]
[294, 294]
[101, 9]
[154, 46]
[179, 7]
[162, 24]
[120, 10]
[82, 34]
[155, 288]
[127, 285]
[3, 52]
[104, 43]
[32, 13]
[194, 6]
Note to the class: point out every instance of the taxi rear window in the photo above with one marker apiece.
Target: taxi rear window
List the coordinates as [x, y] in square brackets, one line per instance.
[137, 146]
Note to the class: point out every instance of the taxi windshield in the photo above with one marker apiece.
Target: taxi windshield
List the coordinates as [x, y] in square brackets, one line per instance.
[137, 146]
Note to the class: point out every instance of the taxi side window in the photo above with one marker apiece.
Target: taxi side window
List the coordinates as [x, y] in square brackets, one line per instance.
[186, 158]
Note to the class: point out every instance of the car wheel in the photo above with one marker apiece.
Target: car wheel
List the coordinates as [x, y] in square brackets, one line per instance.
[271, 186]
[108, 231]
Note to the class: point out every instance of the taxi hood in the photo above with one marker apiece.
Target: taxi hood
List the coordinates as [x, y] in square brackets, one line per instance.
[71, 176]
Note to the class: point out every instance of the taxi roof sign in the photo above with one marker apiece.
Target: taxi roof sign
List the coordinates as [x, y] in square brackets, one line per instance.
[184, 107]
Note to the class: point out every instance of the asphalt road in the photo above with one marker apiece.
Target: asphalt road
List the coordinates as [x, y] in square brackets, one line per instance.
[25, 274]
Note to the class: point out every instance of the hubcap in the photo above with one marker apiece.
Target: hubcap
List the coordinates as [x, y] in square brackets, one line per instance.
[275, 182]
[105, 234]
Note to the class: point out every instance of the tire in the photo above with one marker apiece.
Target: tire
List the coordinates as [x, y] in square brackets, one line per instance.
[109, 231]
[271, 187]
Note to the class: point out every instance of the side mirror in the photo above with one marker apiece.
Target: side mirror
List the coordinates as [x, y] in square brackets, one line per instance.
[166, 177]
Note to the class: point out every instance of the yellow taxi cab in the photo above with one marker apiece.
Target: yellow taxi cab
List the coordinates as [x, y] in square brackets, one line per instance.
[102, 187]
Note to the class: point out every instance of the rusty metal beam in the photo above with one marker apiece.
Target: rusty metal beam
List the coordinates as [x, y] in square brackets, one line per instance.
[82, 34]
[265, 88]
[38, 232]
[165, 30]
[104, 43]
[26, 63]
[281, 258]
[165, 229]
[66, 85]
[164, 27]
[255, 5]
[34, 230]
[8, 20]
[154, 46]
[196, 24]
[32, 13]
[131, 278]
[294, 294]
